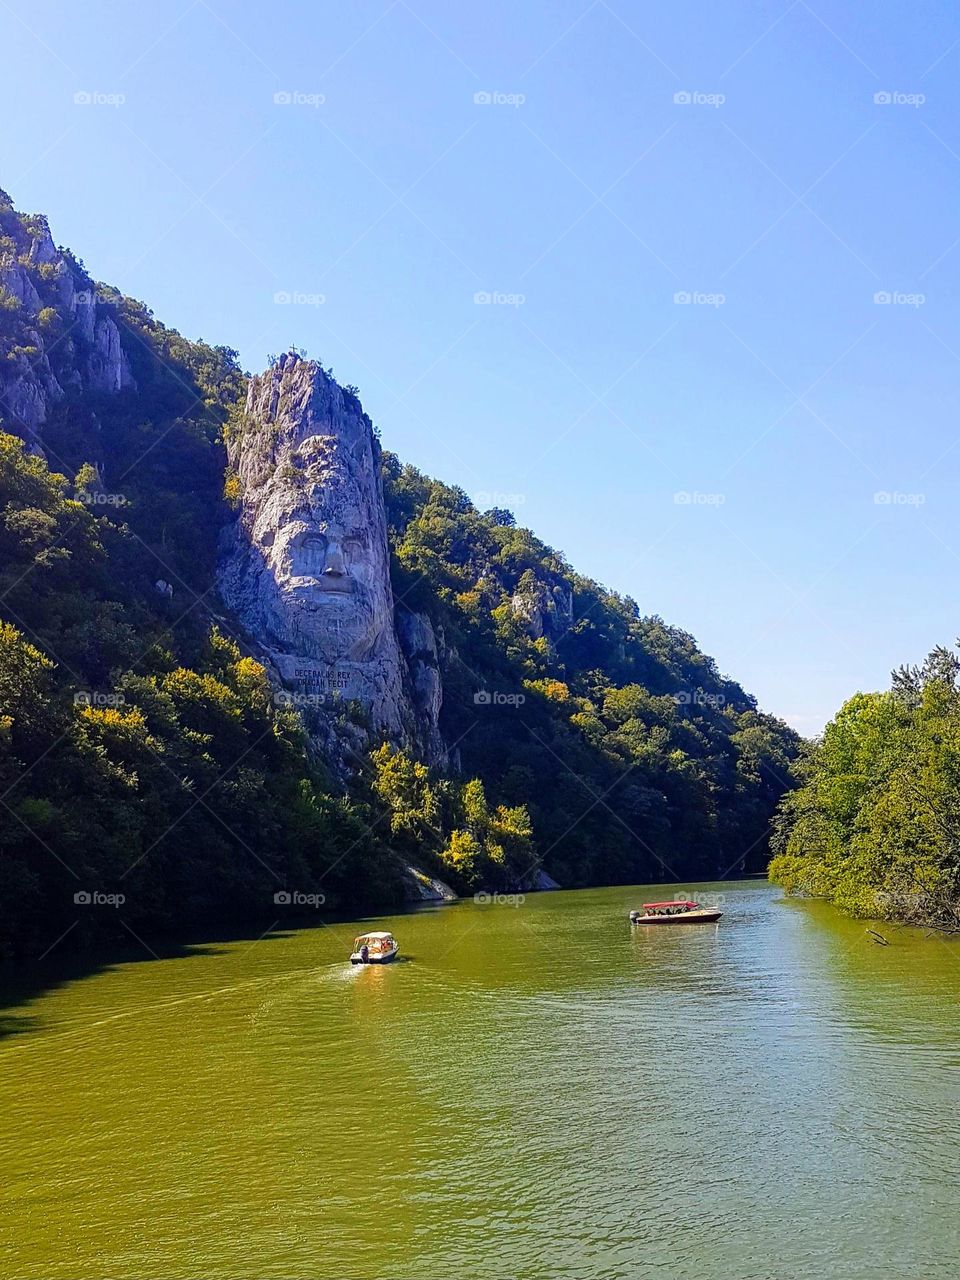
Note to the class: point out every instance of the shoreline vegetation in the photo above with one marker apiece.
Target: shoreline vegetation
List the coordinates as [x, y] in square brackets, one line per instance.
[874, 826]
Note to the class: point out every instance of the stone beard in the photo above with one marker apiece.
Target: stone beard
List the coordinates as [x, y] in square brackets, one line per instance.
[308, 571]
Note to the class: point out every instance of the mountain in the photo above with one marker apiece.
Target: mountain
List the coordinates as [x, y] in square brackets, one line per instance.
[249, 659]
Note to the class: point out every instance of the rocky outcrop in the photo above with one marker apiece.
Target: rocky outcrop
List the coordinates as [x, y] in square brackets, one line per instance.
[545, 609]
[58, 335]
[306, 566]
[424, 648]
[419, 887]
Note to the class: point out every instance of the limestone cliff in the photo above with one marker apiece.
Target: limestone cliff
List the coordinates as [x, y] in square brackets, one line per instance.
[306, 565]
[58, 334]
[546, 609]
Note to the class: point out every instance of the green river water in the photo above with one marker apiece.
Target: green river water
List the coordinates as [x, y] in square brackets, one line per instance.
[534, 1091]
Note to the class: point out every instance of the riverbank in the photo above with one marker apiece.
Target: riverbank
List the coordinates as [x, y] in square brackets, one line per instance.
[804, 878]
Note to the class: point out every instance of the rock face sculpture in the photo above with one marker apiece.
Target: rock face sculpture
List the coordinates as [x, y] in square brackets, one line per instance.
[306, 568]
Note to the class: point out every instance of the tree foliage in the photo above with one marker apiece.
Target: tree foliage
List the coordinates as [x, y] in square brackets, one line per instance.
[634, 757]
[875, 827]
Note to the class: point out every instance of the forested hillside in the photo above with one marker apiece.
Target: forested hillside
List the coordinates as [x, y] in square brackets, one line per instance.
[634, 757]
[144, 751]
[875, 827]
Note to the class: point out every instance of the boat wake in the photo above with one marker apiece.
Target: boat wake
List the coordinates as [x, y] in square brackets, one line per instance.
[309, 980]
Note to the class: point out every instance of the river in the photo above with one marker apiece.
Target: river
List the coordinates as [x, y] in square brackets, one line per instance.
[532, 1091]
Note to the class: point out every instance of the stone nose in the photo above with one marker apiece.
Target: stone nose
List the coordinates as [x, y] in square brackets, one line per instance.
[333, 565]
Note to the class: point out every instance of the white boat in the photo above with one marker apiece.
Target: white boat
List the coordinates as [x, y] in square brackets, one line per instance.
[676, 911]
[374, 948]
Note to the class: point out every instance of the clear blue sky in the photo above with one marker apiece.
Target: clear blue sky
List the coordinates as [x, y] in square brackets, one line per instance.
[598, 399]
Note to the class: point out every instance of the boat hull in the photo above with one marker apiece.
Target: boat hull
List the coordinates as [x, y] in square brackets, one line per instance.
[384, 959]
[686, 917]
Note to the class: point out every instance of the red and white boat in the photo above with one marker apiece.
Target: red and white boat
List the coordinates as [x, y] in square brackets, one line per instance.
[678, 911]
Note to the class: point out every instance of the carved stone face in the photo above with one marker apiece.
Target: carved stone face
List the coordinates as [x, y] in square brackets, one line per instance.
[328, 577]
[317, 530]
[323, 564]
[308, 572]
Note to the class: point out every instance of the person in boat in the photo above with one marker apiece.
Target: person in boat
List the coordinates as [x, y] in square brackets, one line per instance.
[364, 953]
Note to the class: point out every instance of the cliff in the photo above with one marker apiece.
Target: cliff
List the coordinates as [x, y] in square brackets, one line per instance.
[244, 648]
[306, 564]
[58, 337]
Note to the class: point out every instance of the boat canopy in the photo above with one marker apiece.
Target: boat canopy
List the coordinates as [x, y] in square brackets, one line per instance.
[373, 937]
[679, 902]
